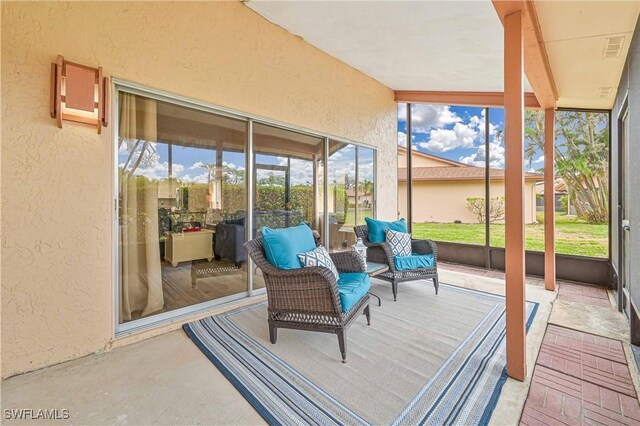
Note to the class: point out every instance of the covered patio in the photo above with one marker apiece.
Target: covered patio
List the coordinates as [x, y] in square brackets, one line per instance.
[231, 118]
[169, 381]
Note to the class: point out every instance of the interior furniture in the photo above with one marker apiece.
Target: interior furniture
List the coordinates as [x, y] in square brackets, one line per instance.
[340, 236]
[229, 242]
[311, 298]
[188, 246]
[374, 269]
[382, 253]
[205, 269]
[230, 234]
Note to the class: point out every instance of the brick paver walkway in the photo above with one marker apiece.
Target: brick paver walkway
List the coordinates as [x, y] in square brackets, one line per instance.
[585, 294]
[580, 379]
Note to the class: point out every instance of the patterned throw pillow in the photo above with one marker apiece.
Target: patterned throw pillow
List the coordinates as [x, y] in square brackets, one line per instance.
[400, 243]
[318, 257]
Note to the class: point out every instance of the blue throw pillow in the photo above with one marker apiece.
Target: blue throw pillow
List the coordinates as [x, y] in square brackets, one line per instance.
[281, 246]
[378, 228]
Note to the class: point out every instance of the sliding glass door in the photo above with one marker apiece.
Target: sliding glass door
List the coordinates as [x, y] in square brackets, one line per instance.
[351, 191]
[182, 188]
[288, 170]
[180, 172]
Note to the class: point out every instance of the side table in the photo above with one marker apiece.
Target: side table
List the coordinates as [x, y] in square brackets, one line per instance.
[374, 269]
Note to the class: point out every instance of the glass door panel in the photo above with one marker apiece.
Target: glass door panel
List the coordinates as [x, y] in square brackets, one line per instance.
[180, 175]
[287, 181]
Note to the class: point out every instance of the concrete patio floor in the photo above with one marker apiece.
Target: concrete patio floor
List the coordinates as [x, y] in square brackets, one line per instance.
[167, 380]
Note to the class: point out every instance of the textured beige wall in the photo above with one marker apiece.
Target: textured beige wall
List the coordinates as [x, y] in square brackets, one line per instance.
[57, 244]
[439, 201]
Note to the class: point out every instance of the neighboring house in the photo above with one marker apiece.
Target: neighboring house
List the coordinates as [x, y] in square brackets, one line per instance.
[441, 188]
[364, 200]
[560, 190]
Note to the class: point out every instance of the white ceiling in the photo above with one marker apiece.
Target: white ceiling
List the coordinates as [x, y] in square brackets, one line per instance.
[575, 35]
[458, 45]
[405, 45]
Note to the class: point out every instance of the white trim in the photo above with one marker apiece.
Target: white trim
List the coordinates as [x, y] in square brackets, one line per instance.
[178, 315]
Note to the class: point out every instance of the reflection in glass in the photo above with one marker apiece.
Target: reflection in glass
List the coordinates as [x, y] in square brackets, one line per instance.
[180, 176]
[287, 184]
[365, 187]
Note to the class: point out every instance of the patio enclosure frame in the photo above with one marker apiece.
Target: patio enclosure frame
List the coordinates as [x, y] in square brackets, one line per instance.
[592, 270]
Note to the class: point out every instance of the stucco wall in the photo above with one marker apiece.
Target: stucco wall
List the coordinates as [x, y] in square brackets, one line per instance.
[439, 201]
[57, 206]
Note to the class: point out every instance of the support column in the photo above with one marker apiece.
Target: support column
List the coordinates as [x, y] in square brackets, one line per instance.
[514, 189]
[549, 200]
[409, 171]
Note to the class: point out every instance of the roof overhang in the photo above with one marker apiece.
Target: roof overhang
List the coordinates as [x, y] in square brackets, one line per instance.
[452, 47]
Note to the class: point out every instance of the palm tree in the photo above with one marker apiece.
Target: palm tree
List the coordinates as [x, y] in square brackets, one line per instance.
[232, 175]
[581, 157]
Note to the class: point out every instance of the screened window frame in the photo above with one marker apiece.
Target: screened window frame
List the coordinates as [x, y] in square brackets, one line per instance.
[487, 247]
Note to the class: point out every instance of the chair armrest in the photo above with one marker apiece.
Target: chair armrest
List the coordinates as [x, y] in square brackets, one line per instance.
[309, 290]
[425, 247]
[348, 261]
[381, 253]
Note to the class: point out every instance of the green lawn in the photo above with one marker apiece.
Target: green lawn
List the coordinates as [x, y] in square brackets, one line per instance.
[573, 236]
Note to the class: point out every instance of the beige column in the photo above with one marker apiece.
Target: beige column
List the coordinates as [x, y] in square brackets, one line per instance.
[549, 201]
[514, 188]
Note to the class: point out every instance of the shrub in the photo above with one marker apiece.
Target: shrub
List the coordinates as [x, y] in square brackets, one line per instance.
[476, 205]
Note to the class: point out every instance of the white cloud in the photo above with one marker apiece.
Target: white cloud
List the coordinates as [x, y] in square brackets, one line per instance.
[402, 139]
[478, 123]
[155, 169]
[301, 170]
[539, 160]
[496, 155]
[443, 140]
[232, 166]
[427, 117]
[202, 178]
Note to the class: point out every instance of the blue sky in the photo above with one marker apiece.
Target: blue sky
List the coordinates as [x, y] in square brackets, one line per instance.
[187, 163]
[457, 133]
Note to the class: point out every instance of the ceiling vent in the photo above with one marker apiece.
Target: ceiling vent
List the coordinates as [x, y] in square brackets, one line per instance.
[613, 47]
[604, 92]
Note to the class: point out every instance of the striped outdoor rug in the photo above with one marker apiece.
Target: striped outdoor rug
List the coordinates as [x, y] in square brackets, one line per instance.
[425, 359]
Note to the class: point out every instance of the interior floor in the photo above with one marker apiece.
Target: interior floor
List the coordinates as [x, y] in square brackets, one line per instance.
[191, 283]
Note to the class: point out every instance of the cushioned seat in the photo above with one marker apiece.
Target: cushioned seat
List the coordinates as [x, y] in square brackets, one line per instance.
[352, 286]
[415, 261]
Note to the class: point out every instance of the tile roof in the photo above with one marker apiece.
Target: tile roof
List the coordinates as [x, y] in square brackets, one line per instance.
[457, 173]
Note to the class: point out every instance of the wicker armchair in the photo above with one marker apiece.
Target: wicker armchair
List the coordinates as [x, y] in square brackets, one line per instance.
[381, 253]
[307, 298]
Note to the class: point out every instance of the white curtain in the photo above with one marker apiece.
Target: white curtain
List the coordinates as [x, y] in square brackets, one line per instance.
[141, 277]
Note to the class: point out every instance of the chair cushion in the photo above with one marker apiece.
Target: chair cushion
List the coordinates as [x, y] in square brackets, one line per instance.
[415, 261]
[352, 286]
[281, 246]
[377, 228]
[400, 242]
[318, 257]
